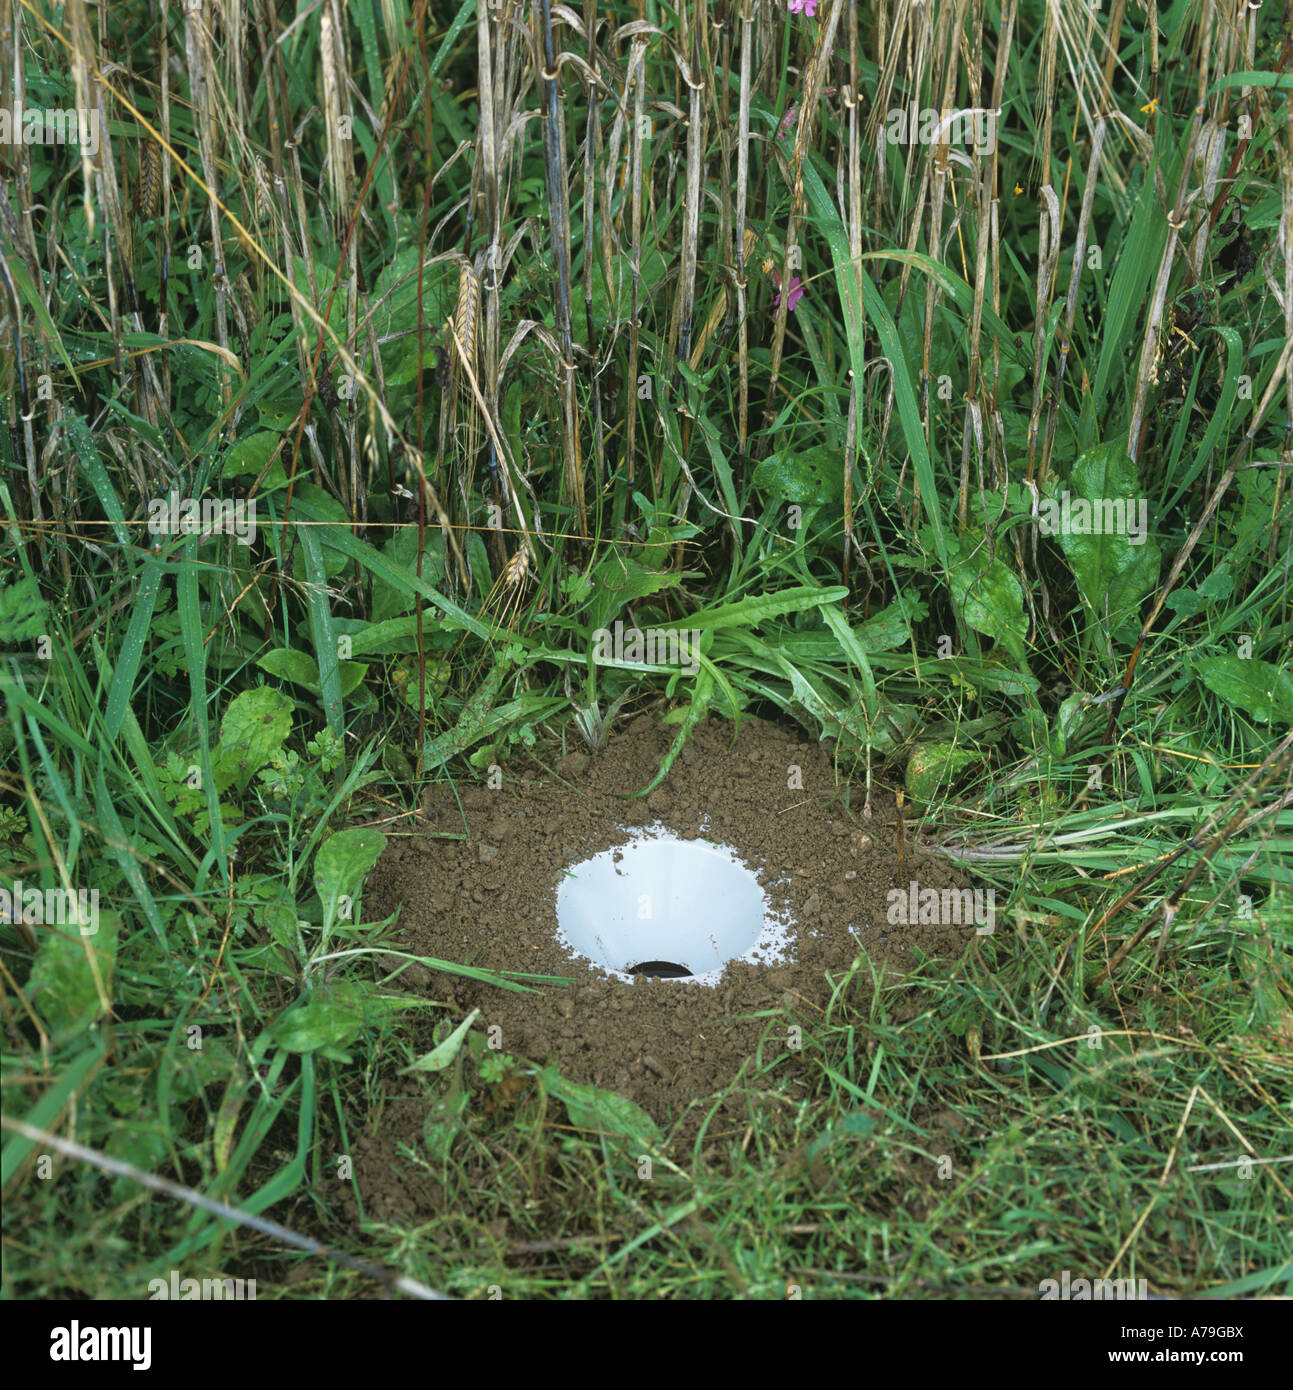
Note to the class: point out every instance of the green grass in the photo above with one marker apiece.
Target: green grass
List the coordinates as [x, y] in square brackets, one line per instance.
[487, 402]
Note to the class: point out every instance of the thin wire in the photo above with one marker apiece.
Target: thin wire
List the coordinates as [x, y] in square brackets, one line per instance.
[242, 1218]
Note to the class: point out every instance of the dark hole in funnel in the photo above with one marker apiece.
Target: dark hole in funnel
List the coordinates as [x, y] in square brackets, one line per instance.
[665, 969]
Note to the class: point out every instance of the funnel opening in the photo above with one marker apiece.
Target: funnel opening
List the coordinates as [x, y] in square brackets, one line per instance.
[667, 909]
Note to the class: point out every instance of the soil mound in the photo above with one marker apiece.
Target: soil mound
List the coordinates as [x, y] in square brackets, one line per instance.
[480, 888]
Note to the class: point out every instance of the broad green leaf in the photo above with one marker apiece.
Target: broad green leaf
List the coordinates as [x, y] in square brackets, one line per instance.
[405, 363]
[256, 726]
[341, 863]
[291, 665]
[614, 300]
[1102, 528]
[68, 971]
[529, 708]
[395, 293]
[602, 1112]
[393, 637]
[986, 592]
[301, 669]
[891, 627]
[327, 1020]
[1262, 691]
[935, 764]
[443, 1122]
[617, 582]
[1275, 1278]
[987, 674]
[808, 477]
[271, 902]
[249, 455]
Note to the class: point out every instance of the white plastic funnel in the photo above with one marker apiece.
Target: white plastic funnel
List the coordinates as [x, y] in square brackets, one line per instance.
[662, 902]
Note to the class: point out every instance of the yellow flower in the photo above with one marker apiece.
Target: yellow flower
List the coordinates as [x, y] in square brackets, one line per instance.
[1150, 107]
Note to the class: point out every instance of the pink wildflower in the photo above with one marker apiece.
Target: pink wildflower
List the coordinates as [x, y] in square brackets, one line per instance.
[787, 121]
[808, 7]
[795, 295]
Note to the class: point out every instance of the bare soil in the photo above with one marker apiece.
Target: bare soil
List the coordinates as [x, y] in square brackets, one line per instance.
[489, 899]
